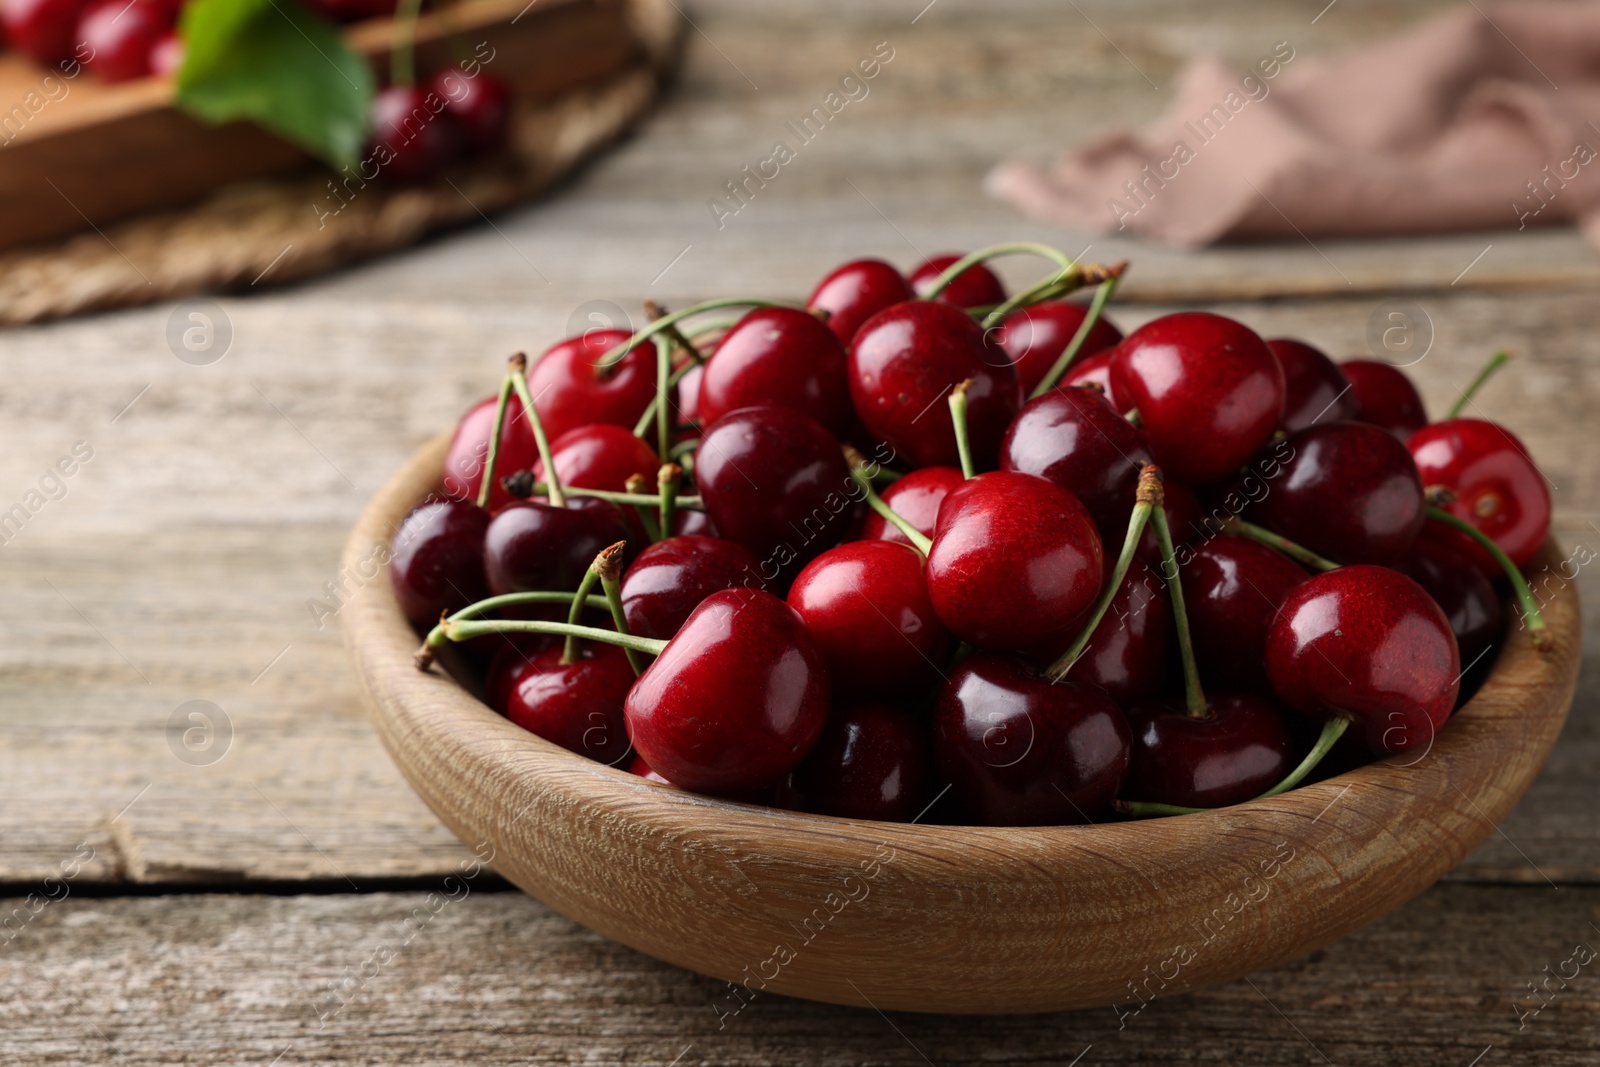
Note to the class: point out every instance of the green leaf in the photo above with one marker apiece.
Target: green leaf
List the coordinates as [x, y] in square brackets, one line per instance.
[278, 64]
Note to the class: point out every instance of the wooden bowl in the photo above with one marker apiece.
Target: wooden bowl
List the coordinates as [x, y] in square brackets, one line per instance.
[947, 918]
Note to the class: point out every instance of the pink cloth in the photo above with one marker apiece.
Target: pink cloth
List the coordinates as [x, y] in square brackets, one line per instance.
[1478, 119]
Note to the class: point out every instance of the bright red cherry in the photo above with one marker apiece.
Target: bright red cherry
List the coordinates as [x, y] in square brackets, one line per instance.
[418, 137]
[532, 546]
[570, 391]
[576, 705]
[1238, 752]
[670, 578]
[865, 604]
[1496, 486]
[1015, 561]
[1209, 391]
[166, 55]
[915, 498]
[974, 287]
[1350, 492]
[783, 357]
[515, 652]
[873, 761]
[855, 292]
[735, 700]
[903, 363]
[1452, 578]
[1232, 589]
[1034, 337]
[1315, 388]
[1095, 370]
[1370, 644]
[1382, 395]
[117, 36]
[600, 457]
[469, 451]
[689, 397]
[481, 106]
[1127, 657]
[1019, 751]
[45, 30]
[436, 560]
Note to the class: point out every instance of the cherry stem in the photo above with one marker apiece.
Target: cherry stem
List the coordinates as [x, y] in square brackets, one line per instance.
[958, 421]
[1532, 617]
[1148, 497]
[859, 475]
[1332, 730]
[580, 599]
[402, 52]
[1054, 287]
[1194, 698]
[609, 566]
[486, 489]
[668, 479]
[1102, 295]
[671, 319]
[972, 259]
[636, 486]
[519, 381]
[1496, 361]
[436, 637]
[674, 332]
[663, 417]
[523, 489]
[1235, 525]
[466, 631]
[642, 427]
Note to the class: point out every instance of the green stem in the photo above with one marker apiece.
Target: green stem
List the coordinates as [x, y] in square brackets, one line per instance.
[671, 319]
[667, 480]
[642, 427]
[1298, 553]
[1496, 361]
[466, 631]
[958, 422]
[610, 567]
[646, 511]
[487, 488]
[402, 58]
[692, 503]
[1194, 697]
[519, 381]
[569, 653]
[673, 332]
[1332, 730]
[858, 474]
[1102, 295]
[663, 416]
[436, 637]
[972, 259]
[1531, 615]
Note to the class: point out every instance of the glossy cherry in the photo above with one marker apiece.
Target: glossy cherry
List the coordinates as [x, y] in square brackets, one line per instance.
[866, 605]
[915, 498]
[576, 705]
[873, 761]
[1239, 751]
[1209, 391]
[1019, 751]
[670, 578]
[1315, 389]
[689, 397]
[1095, 371]
[45, 30]
[117, 37]
[903, 363]
[415, 137]
[1127, 657]
[468, 453]
[735, 700]
[1015, 561]
[1496, 486]
[1383, 395]
[166, 55]
[1369, 644]
[977, 286]
[600, 457]
[1034, 337]
[1232, 589]
[779, 356]
[856, 291]
[515, 652]
[436, 560]
[570, 390]
[1349, 492]
[532, 546]
[1438, 564]
[480, 105]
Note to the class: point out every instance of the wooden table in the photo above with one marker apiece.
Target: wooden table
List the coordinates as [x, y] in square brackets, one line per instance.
[262, 894]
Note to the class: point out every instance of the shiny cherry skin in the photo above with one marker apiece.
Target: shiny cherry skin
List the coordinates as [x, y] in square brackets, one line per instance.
[118, 36]
[783, 357]
[1315, 389]
[1238, 752]
[1368, 643]
[1209, 391]
[670, 578]
[915, 498]
[1019, 751]
[1127, 657]
[570, 391]
[763, 795]
[1232, 589]
[866, 605]
[576, 705]
[774, 480]
[689, 396]
[1034, 337]
[1497, 488]
[855, 292]
[903, 363]
[1452, 578]
[480, 105]
[515, 651]
[44, 30]
[601, 457]
[977, 286]
[531, 546]
[1382, 394]
[468, 454]
[873, 761]
[1350, 492]
[436, 560]
[1073, 437]
[420, 136]
[1095, 371]
[1015, 561]
[638, 766]
[735, 700]
[166, 55]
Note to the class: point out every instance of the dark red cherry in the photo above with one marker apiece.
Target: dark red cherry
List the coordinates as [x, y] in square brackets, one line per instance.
[904, 362]
[1019, 751]
[1127, 657]
[763, 795]
[600, 457]
[1496, 485]
[1095, 370]
[915, 498]
[774, 480]
[873, 761]
[570, 391]
[1382, 395]
[415, 139]
[689, 397]
[783, 357]
[855, 292]
[1452, 578]
[117, 37]
[1185, 519]
[1349, 492]
[1034, 338]
[44, 30]
[1370, 644]
[481, 106]
[1232, 589]
[1315, 388]
[735, 700]
[1015, 561]
[974, 287]
[1238, 752]
[436, 560]
[1073, 437]
[1209, 391]
[166, 55]
[514, 652]
[469, 451]
[576, 705]
[638, 766]
[865, 604]
[531, 546]
[670, 578]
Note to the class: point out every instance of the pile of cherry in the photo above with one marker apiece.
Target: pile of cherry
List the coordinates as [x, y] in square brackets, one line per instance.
[920, 541]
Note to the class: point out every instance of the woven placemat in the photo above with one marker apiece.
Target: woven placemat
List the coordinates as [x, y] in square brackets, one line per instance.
[263, 233]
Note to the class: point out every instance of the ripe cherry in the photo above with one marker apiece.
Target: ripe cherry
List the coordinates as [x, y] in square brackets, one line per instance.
[735, 700]
[417, 138]
[118, 35]
[873, 761]
[166, 55]
[670, 578]
[531, 546]
[915, 498]
[1239, 751]
[1496, 487]
[570, 391]
[1095, 371]
[865, 604]
[480, 105]
[1382, 395]
[1369, 644]
[468, 454]
[1315, 389]
[1020, 751]
[1034, 337]
[1015, 561]
[974, 287]
[45, 30]
[514, 652]
[1209, 391]
[575, 705]
[855, 292]
[600, 457]
[903, 363]
[1438, 564]
[1127, 657]
[783, 357]
[1232, 588]
[436, 560]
